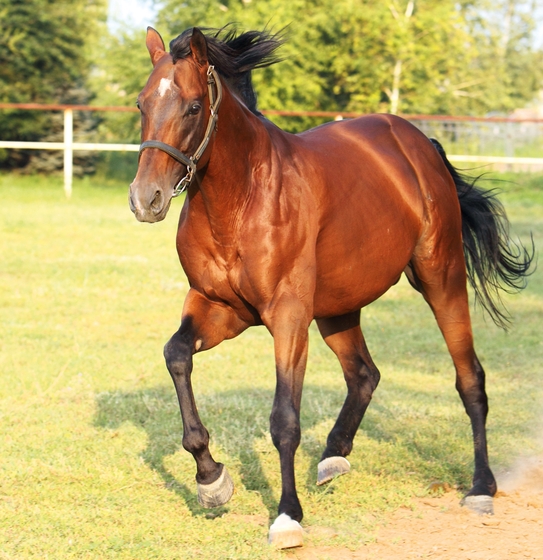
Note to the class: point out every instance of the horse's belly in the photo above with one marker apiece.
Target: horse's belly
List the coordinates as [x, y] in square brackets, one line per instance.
[350, 276]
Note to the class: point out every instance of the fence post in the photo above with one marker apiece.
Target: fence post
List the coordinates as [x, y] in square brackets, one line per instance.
[68, 150]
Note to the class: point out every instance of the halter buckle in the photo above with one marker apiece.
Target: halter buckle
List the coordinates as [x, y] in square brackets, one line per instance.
[184, 183]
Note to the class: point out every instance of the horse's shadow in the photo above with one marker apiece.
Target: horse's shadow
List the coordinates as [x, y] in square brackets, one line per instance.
[238, 421]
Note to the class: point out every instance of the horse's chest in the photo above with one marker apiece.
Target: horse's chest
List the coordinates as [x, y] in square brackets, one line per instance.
[219, 280]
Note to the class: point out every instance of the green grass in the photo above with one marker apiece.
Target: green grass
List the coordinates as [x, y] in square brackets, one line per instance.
[91, 463]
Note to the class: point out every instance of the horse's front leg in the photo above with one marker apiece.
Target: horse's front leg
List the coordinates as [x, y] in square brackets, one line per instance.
[204, 325]
[288, 322]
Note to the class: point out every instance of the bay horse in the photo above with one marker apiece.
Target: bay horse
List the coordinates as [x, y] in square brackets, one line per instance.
[279, 229]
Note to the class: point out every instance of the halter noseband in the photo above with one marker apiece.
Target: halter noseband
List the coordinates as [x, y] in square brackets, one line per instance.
[191, 163]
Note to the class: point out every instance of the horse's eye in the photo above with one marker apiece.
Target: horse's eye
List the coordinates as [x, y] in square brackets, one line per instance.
[138, 105]
[195, 109]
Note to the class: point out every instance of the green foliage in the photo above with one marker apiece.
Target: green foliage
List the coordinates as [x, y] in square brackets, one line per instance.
[363, 56]
[408, 56]
[44, 58]
[416, 56]
[507, 72]
[122, 67]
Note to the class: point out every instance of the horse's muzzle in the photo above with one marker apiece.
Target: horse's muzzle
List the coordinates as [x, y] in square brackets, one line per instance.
[148, 205]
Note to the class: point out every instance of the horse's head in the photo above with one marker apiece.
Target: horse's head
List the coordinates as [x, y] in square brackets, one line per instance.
[175, 109]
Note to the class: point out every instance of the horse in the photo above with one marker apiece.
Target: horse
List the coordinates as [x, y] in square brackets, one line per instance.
[281, 229]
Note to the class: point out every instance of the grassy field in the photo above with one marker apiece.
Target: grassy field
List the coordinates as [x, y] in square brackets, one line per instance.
[91, 463]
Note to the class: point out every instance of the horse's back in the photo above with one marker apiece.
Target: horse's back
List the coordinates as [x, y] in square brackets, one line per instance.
[375, 161]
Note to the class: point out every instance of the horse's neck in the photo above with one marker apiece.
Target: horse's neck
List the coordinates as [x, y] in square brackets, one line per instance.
[240, 142]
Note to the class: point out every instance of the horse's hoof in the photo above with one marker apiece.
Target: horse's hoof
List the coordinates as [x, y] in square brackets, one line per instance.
[286, 533]
[217, 493]
[331, 467]
[479, 504]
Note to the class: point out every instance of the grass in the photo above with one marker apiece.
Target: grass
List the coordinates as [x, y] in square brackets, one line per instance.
[91, 463]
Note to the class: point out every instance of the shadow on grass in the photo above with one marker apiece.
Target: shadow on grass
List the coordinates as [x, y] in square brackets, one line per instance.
[235, 419]
[238, 423]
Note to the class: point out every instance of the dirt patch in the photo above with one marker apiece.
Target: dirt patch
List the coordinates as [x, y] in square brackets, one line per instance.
[440, 528]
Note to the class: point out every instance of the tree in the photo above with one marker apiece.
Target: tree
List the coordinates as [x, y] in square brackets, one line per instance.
[350, 55]
[44, 58]
[508, 65]
[406, 56]
[122, 67]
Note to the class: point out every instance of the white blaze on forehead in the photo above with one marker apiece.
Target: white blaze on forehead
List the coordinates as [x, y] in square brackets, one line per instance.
[164, 86]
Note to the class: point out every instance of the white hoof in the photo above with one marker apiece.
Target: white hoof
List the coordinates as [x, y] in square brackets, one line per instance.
[483, 505]
[286, 533]
[217, 493]
[331, 467]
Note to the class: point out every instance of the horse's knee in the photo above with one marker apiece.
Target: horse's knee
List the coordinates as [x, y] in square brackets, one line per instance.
[285, 427]
[178, 356]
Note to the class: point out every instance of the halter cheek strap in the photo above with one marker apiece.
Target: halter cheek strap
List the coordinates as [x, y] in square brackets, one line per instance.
[191, 163]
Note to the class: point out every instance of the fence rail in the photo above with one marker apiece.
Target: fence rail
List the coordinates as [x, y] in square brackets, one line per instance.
[475, 135]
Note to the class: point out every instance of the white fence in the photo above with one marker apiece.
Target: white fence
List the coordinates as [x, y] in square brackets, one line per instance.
[68, 146]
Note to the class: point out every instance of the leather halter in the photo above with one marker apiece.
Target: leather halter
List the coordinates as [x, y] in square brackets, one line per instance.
[191, 163]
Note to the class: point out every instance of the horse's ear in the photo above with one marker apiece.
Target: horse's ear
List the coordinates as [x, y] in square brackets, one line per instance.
[155, 45]
[198, 47]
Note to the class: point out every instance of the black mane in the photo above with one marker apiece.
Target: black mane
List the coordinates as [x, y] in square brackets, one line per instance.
[234, 56]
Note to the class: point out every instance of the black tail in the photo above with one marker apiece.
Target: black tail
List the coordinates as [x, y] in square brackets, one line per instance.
[493, 260]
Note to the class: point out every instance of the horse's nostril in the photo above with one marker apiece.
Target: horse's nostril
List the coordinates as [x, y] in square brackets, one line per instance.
[156, 203]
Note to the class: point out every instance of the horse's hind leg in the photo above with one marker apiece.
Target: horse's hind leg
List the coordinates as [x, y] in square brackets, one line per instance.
[344, 336]
[442, 280]
[204, 325]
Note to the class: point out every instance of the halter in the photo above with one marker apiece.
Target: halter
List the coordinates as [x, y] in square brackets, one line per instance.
[191, 163]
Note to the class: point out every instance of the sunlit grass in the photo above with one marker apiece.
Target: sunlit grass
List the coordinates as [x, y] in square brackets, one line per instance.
[91, 463]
